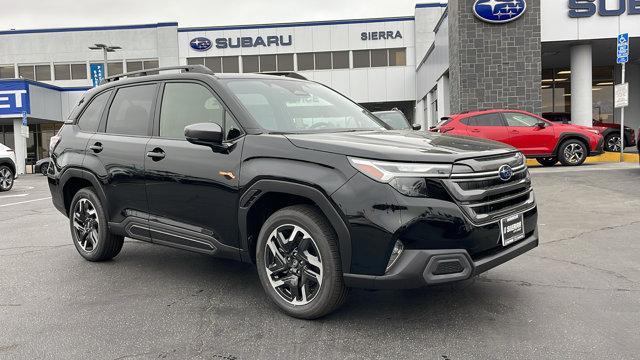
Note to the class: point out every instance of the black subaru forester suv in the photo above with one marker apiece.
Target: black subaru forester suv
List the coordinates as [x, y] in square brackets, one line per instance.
[289, 175]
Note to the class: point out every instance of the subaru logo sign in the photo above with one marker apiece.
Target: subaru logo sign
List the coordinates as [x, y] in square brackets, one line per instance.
[499, 11]
[200, 44]
[505, 172]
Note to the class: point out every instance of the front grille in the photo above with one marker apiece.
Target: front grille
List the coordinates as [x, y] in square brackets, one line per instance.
[449, 267]
[484, 196]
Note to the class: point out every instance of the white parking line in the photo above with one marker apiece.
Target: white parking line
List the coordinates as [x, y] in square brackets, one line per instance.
[24, 202]
[16, 195]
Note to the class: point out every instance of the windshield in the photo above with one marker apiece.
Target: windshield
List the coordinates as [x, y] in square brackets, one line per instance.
[394, 119]
[288, 106]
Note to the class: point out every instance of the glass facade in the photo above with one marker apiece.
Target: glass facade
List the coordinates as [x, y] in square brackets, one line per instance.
[38, 141]
[556, 92]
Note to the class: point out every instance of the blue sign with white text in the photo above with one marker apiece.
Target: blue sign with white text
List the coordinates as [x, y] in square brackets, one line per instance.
[14, 98]
[499, 11]
[97, 73]
[623, 48]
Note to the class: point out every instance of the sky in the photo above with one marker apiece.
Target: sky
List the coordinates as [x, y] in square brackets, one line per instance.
[30, 14]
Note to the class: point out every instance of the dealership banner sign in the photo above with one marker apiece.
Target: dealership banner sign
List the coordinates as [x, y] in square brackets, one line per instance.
[14, 98]
[588, 8]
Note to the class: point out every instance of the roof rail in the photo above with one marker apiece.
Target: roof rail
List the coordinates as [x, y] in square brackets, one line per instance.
[201, 69]
[291, 74]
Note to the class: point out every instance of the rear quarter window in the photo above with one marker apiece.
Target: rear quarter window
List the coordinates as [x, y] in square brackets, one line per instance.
[90, 118]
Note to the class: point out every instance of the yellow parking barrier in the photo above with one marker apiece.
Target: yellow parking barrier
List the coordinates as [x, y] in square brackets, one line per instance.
[607, 157]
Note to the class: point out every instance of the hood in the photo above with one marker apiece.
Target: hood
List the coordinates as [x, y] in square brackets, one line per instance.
[570, 127]
[400, 145]
[610, 125]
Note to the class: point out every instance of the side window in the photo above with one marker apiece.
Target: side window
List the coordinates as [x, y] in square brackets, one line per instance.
[185, 104]
[489, 120]
[130, 112]
[90, 119]
[232, 129]
[520, 120]
[470, 121]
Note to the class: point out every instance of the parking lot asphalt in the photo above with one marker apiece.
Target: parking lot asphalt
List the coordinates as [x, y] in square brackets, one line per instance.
[576, 296]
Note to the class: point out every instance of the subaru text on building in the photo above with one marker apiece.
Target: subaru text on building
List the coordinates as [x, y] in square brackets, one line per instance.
[289, 175]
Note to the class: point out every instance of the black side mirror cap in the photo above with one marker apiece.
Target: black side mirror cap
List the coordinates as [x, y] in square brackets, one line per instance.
[416, 126]
[209, 134]
[542, 124]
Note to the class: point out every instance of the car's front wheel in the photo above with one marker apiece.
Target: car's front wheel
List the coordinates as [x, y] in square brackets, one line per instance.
[299, 262]
[43, 168]
[612, 142]
[89, 228]
[6, 178]
[573, 152]
[547, 161]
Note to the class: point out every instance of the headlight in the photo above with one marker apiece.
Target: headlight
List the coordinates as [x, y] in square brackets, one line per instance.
[407, 178]
[384, 172]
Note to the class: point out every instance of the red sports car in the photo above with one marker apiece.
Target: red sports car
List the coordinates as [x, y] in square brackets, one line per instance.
[534, 136]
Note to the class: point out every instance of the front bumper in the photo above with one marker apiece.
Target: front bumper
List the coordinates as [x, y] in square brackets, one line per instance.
[419, 268]
[599, 149]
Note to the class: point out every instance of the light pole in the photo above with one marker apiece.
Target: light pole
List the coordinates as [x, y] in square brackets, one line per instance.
[106, 49]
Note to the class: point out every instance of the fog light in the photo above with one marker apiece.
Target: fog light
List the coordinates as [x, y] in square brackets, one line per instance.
[395, 254]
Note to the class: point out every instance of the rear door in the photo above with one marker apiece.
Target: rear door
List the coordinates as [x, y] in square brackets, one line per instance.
[116, 153]
[527, 136]
[193, 189]
[488, 126]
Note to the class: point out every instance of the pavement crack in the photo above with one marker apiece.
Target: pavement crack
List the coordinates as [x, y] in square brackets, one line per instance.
[609, 272]
[36, 247]
[573, 237]
[528, 284]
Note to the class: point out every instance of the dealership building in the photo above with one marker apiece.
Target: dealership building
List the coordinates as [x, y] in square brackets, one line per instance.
[536, 55]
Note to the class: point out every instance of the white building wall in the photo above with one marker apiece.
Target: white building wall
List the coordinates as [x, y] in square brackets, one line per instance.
[153, 41]
[558, 26]
[364, 85]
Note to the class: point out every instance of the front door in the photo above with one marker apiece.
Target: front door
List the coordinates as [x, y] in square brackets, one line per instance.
[192, 189]
[526, 135]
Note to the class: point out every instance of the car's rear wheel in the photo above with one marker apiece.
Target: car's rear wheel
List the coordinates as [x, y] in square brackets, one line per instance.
[299, 263]
[612, 142]
[6, 178]
[573, 152]
[43, 168]
[89, 228]
[547, 161]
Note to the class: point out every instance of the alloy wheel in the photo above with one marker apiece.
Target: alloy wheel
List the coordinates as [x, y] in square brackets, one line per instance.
[293, 264]
[574, 153]
[613, 143]
[86, 224]
[6, 179]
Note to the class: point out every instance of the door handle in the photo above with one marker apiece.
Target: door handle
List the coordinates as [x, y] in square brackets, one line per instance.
[475, 130]
[157, 154]
[515, 132]
[97, 147]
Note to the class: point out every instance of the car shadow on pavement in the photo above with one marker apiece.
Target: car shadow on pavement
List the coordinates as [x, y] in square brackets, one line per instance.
[221, 279]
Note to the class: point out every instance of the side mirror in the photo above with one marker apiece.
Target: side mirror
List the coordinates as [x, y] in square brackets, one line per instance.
[542, 124]
[416, 126]
[208, 134]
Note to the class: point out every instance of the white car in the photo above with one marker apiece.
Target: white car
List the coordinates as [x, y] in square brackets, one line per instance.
[7, 168]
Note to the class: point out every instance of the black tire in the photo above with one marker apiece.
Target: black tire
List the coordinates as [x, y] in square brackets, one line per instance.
[331, 293]
[107, 246]
[547, 161]
[6, 178]
[569, 155]
[43, 169]
[612, 142]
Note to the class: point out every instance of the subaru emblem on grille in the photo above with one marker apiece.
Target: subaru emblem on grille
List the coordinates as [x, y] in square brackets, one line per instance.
[505, 172]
